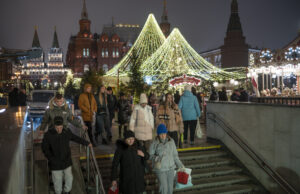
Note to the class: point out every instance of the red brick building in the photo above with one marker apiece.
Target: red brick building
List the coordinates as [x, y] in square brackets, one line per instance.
[87, 51]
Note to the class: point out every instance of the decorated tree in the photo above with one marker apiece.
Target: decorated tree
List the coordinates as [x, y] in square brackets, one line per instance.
[136, 83]
[176, 57]
[148, 41]
[94, 78]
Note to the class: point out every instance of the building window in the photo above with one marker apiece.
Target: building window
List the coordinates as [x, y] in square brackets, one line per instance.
[86, 68]
[105, 68]
[103, 53]
[117, 53]
[106, 53]
[113, 53]
[84, 53]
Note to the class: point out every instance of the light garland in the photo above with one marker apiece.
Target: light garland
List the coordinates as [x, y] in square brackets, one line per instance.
[148, 41]
[185, 80]
[176, 57]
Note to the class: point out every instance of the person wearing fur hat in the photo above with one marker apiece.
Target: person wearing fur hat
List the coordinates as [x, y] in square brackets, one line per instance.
[165, 159]
[142, 122]
[88, 107]
[190, 111]
[132, 159]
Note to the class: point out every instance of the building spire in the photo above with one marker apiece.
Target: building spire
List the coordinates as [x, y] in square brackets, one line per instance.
[164, 17]
[36, 41]
[55, 43]
[234, 21]
[84, 14]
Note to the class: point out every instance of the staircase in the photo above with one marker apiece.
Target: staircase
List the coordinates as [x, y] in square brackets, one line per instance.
[213, 171]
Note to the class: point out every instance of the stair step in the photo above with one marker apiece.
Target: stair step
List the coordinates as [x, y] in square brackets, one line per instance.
[231, 189]
[207, 163]
[201, 173]
[208, 182]
[201, 155]
[216, 182]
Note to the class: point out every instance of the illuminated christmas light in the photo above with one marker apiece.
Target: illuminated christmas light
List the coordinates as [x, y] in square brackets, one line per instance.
[148, 41]
[176, 57]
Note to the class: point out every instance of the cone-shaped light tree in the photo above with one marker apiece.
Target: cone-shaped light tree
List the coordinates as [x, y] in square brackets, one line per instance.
[176, 57]
[148, 41]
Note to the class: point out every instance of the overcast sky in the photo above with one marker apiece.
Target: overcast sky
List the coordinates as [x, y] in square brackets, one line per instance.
[266, 23]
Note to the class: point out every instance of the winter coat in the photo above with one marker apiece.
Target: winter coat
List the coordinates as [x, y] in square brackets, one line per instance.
[165, 152]
[102, 109]
[123, 111]
[171, 117]
[62, 111]
[244, 96]
[234, 97]
[142, 122]
[111, 104]
[87, 105]
[132, 167]
[57, 150]
[189, 106]
[223, 96]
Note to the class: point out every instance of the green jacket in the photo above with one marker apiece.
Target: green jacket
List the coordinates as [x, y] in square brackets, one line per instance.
[62, 111]
[166, 153]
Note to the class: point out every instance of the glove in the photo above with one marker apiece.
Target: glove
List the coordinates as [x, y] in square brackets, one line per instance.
[181, 169]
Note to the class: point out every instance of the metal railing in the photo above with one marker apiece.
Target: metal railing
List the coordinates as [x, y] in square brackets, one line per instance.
[291, 101]
[29, 147]
[245, 146]
[93, 172]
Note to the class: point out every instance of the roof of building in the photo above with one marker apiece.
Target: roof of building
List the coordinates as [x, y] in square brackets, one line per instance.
[36, 41]
[55, 43]
[126, 32]
[234, 21]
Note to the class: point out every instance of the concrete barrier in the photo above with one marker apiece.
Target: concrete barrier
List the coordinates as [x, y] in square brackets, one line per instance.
[272, 131]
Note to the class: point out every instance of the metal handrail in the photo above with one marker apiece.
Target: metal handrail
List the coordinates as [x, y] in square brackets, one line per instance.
[246, 147]
[93, 165]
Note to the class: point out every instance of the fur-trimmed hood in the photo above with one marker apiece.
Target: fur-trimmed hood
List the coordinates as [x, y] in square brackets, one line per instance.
[52, 104]
[121, 144]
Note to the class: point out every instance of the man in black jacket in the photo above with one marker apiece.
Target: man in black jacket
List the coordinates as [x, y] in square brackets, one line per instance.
[56, 148]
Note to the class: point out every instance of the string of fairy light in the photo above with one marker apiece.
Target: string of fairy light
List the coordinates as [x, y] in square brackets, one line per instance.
[167, 58]
[176, 57]
[148, 41]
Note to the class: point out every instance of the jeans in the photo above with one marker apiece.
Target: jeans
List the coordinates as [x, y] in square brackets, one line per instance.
[57, 177]
[166, 181]
[174, 136]
[102, 123]
[192, 125]
[90, 130]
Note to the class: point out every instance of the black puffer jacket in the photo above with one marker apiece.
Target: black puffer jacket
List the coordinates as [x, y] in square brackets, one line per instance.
[57, 150]
[123, 111]
[132, 168]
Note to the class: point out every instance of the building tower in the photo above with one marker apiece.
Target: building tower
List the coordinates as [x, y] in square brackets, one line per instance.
[165, 25]
[82, 48]
[235, 50]
[55, 54]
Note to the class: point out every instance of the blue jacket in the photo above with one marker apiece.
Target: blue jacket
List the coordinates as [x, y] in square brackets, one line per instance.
[189, 106]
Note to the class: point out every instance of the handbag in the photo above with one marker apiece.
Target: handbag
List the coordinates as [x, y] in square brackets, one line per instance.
[157, 160]
[186, 172]
[113, 190]
[198, 130]
[182, 177]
